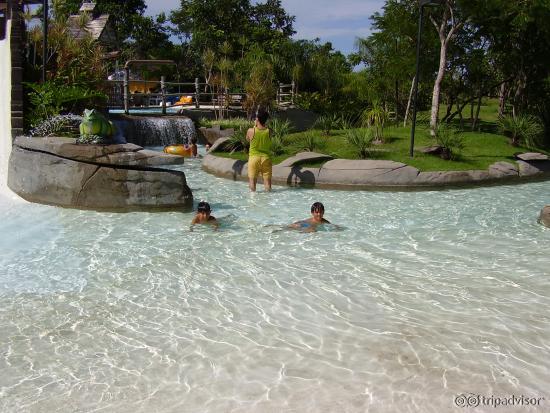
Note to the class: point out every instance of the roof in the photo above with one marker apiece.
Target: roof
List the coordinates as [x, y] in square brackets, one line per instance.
[94, 27]
[87, 7]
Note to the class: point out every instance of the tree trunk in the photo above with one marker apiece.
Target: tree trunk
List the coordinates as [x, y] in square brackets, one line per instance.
[409, 103]
[501, 100]
[437, 87]
[475, 123]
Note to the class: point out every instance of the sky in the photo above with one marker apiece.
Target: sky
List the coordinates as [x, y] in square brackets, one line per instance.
[335, 21]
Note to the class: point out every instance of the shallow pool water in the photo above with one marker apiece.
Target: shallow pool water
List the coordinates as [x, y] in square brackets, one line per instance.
[422, 297]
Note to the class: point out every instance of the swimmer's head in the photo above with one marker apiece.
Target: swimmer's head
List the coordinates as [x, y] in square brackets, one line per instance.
[317, 207]
[203, 208]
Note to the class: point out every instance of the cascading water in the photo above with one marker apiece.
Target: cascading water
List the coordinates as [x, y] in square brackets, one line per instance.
[156, 131]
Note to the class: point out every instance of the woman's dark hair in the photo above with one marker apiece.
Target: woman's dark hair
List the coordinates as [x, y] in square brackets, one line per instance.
[262, 116]
[317, 206]
[203, 207]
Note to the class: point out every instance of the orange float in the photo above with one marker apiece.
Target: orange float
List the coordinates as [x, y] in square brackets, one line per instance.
[181, 150]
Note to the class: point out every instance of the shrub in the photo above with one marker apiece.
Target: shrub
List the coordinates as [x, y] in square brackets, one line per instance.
[347, 121]
[238, 142]
[376, 118]
[51, 98]
[231, 123]
[327, 123]
[279, 128]
[450, 139]
[311, 142]
[59, 125]
[361, 140]
[522, 129]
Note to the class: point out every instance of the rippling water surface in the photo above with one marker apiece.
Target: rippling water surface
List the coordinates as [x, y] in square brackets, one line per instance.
[422, 296]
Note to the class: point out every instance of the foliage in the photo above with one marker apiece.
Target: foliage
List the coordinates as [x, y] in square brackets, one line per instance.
[361, 140]
[260, 89]
[230, 123]
[208, 24]
[450, 139]
[375, 117]
[59, 125]
[279, 128]
[310, 142]
[51, 98]
[326, 123]
[521, 129]
[122, 13]
[92, 140]
[238, 142]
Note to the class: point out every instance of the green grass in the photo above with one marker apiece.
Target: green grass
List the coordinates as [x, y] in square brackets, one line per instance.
[481, 149]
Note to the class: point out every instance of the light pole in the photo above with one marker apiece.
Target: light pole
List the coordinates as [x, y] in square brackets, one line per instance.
[423, 3]
[44, 38]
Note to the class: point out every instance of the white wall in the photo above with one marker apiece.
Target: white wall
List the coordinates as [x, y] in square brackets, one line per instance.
[5, 105]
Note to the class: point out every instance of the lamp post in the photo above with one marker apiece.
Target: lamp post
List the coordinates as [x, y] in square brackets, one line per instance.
[44, 38]
[423, 3]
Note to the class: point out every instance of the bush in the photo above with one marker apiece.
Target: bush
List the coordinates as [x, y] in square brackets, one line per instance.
[376, 118]
[327, 123]
[59, 125]
[522, 129]
[51, 98]
[450, 139]
[231, 123]
[279, 128]
[311, 143]
[238, 142]
[361, 140]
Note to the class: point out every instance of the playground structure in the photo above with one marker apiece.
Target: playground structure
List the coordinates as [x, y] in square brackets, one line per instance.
[130, 93]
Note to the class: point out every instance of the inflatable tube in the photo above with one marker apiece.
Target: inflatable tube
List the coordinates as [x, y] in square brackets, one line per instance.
[181, 150]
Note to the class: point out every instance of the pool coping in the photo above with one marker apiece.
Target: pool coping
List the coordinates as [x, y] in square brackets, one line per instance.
[349, 174]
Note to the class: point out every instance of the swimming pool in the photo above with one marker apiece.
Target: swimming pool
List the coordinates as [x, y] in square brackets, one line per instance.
[422, 297]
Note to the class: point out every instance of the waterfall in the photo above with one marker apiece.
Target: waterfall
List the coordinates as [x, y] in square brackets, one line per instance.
[5, 108]
[155, 130]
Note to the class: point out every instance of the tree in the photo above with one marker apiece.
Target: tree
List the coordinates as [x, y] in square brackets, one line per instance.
[210, 23]
[447, 27]
[122, 13]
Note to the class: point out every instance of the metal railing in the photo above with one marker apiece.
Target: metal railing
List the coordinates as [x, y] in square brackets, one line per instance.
[155, 93]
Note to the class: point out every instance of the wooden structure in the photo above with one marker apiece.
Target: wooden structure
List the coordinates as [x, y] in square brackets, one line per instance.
[89, 22]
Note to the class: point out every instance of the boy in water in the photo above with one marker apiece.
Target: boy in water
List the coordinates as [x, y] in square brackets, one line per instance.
[203, 215]
[310, 224]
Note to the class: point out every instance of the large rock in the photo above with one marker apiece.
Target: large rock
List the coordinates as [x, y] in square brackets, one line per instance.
[101, 177]
[302, 157]
[532, 156]
[544, 217]
[211, 135]
[120, 154]
[367, 173]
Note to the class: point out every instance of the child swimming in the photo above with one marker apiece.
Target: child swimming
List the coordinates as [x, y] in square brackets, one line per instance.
[311, 224]
[203, 215]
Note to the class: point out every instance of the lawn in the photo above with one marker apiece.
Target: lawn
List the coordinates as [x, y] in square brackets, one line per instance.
[481, 149]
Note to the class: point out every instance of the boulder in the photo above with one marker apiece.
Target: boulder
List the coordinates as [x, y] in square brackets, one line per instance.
[304, 157]
[366, 173]
[98, 177]
[532, 156]
[218, 144]
[503, 169]
[544, 217]
[211, 135]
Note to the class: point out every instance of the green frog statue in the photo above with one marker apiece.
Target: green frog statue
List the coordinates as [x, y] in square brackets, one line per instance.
[95, 128]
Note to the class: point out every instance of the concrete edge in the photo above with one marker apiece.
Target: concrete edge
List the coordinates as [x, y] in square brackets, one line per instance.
[365, 179]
